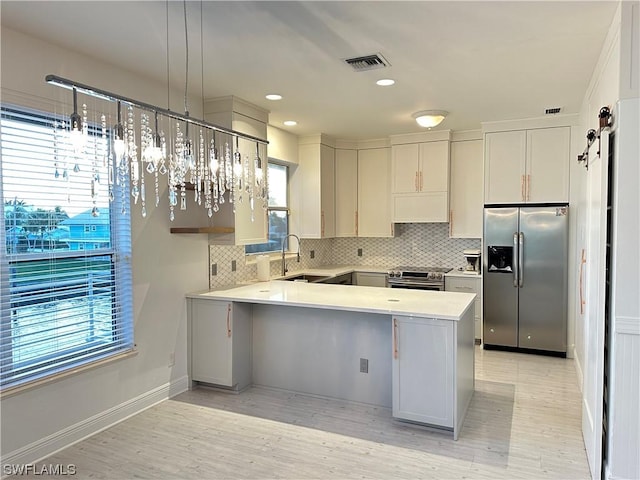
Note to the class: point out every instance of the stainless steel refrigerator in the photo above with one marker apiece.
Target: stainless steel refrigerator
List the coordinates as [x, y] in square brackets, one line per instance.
[524, 277]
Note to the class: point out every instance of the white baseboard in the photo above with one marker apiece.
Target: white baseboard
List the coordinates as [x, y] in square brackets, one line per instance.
[62, 439]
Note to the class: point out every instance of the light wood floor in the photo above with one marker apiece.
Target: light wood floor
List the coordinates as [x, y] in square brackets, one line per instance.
[524, 422]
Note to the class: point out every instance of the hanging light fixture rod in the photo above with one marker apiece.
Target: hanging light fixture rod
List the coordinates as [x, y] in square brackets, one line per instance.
[113, 97]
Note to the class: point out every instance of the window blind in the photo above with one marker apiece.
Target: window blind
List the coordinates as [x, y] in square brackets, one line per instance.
[66, 249]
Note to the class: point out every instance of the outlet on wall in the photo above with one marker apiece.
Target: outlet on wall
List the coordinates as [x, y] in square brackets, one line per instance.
[364, 365]
[214, 269]
[233, 265]
[359, 252]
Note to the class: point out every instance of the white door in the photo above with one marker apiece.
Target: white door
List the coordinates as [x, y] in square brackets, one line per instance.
[423, 370]
[374, 199]
[548, 159]
[211, 342]
[346, 192]
[433, 174]
[594, 308]
[465, 193]
[504, 166]
[327, 192]
[404, 168]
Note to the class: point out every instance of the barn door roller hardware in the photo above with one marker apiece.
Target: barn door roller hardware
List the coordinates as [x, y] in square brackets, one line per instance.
[604, 122]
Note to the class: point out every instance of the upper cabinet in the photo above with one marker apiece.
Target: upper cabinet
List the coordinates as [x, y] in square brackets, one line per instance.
[283, 145]
[527, 166]
[374, 200]
[346, 192]
[314, 182]
[548, 157]
[242, 222]
[420, 180]
[465, 196]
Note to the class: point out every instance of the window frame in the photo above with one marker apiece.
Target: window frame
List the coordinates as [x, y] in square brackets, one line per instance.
[286, 209]
[71, 359]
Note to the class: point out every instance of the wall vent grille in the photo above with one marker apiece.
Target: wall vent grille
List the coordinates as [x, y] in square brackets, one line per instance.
[552, 111]
[367, 62]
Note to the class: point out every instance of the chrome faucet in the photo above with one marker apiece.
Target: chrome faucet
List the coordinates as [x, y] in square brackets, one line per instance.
[284, 265]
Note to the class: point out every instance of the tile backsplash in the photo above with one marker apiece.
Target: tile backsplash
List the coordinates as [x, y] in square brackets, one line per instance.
[426, 244]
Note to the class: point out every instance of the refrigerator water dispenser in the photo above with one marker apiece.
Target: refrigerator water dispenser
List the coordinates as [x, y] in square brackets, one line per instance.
[500, 259]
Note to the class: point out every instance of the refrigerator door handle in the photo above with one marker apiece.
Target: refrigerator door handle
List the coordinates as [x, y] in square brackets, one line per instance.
[521, 260]
[516, 264]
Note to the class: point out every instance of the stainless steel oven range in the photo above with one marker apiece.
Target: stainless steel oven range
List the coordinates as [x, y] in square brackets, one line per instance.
[417, 278]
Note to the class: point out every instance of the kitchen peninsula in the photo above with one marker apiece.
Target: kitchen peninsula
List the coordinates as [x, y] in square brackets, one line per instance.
[405, 349]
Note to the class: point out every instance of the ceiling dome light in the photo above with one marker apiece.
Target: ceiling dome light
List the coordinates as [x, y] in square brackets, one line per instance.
[273, 96]
[290, 123]
[430, 118]
[385, 82]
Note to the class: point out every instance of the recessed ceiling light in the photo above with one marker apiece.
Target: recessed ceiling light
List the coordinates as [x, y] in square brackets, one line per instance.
[274, 96]
[385, 82]
[290, 123]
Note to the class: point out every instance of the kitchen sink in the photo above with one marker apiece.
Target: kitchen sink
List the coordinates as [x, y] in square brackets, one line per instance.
[306, 278]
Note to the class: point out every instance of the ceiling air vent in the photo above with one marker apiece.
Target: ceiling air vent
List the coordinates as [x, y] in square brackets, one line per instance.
[368, 62]
[552, 111]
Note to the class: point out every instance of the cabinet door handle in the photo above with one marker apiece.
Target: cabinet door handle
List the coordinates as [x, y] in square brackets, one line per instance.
[522, 194]
[356, 223]
[420, 181]
[322, 224]
[528, 187]
[395, 338]
[229, 320]
[415, 182]
[583, 260]
[450, 222]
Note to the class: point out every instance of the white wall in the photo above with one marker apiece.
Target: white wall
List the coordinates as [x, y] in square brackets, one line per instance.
[624, 419]
[165, 267]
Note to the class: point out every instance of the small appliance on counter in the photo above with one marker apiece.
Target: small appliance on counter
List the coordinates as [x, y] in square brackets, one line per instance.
[472, 256]
[264, 268]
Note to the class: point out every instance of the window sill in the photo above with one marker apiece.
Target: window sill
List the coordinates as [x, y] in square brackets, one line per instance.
[40, 382]
[252, 258]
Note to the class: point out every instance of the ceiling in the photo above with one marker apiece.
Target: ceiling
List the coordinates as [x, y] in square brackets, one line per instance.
[480, 61]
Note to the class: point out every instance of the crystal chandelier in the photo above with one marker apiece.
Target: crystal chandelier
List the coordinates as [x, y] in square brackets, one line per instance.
[219, 164]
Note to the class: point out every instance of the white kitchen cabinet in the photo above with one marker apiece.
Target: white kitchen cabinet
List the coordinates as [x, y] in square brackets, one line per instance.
[220, 343]
[420, 182]
[465, 194]
[423, 370]
[251, 225]
[548, 158]
[527, 166]
[346, 182]
[316, 177]
[374, 199]
[468, 284]
[370, 279]
[246, 226]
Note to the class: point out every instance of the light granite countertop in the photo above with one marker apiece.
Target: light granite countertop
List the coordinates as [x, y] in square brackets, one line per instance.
[390, 301]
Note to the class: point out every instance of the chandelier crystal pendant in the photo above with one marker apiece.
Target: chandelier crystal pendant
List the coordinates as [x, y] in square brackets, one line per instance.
[136, 149]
